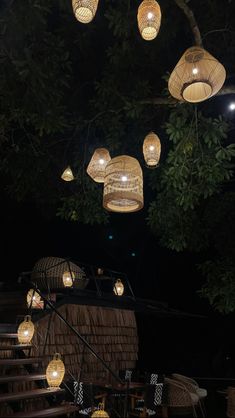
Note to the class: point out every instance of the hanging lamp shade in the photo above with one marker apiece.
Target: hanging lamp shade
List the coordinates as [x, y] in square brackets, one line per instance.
[197, 76]
[152, 149]
[33, 299]
[68, 278]
[149, 19]
[100, 413]
[85, 10]
[25, 330]
[67, 174]
[123, 185]
[97, 165]
[118, 288]
[55, 371]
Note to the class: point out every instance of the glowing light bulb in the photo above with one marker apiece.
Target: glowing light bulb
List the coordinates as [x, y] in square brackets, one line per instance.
[195, 71]
[26, 332]
[124, 178]
[150, 15]
[232, 106]
[101, 161]
[151, 148]
[54, 374]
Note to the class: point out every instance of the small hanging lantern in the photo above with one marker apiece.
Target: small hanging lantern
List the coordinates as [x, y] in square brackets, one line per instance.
[85, 10]
[33, 299]
[68, 278]
[25, 330]
[152, 149]
[197, 76]
[100, 271]
[123, 185]
[100, 413]
[67, 175]
[118, 288]
[97, 165]
[149, 19]
[55, 371]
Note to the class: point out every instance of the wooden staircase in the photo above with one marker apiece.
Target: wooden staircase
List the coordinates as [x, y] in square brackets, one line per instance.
[23, 386]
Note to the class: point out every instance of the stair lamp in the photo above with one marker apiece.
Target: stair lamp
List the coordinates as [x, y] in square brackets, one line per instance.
[33, 299]
[25, 330]
[85, 10]
[149, 19]
[197, 76]
[55, 372]
[152, 149]
[68, 278]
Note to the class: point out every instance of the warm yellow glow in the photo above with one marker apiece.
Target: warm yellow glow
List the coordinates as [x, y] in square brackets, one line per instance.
[97, 165]
[55, 371]
[118, 288]
[33, 299]
[67, 174]
[100, 413]
[149, 19]
[68, 278]
[152, 149]
[195, 71]
[25, 330]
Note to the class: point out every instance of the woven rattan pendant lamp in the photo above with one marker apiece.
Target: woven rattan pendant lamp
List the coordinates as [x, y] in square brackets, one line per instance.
[68, 278]
[197, 76]
[123, 185]
[85, 10]
[118, 288]
[33, 299]
[149, 19]
[97, 165]
[55, 371]
[67, 174]
[152, 149]
[25, 330]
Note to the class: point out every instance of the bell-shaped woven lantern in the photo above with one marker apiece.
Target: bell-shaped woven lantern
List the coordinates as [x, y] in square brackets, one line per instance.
[97, 165]
[85, 10]
[33, 299]
[67, 174]
[149, 19]
[100, 413]
[55, 371]
[68, 278]
[123, 185]
[152, 149]
[25, 330]
[197, 76]
[118, 288]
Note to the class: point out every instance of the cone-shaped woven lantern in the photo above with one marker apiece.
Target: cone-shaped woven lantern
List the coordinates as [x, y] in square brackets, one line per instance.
[197, 76]
[67, 175]
[68, 278]
[55, 371]
[33, 299]
[123, 185]
[149, 19]
[25, 330]
[152, 149]
[118, 288]
[85, 10]
[100, 413]
[97, 165]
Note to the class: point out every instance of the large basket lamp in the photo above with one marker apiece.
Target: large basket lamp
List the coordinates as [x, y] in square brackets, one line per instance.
[123, 185]
[97, 164]
[55, 372]
[152, 149]
[25, 330]
[85, 10]
[197, 76]
[149, 19]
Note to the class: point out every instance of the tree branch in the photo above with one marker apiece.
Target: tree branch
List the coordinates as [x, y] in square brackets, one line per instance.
[192, 21]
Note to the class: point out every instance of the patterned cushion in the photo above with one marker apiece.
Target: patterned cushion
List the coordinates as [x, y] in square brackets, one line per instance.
[149, 411]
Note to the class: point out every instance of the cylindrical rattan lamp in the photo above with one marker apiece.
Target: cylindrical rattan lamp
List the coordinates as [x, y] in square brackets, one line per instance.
[85, 10]
[97, 165]
[55, 371]
[33, 299]
[123, 185]
[197, 76]
[25, 330]
[152, 149]
[68, 278]
[118, 288]
[67, 174]
[149, 19]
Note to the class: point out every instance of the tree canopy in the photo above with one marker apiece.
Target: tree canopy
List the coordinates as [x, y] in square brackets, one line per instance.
[68, 88]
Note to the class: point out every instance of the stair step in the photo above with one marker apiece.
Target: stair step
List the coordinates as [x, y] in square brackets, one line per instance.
[19, 361]
[8, 335]
[16, 347]
[35, 393]
[44, 413]
[22, 377]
